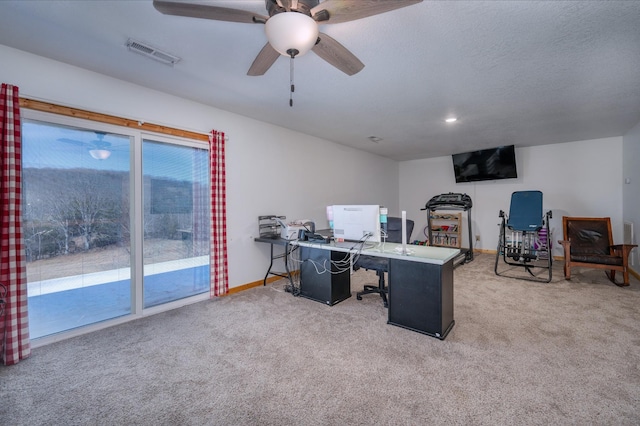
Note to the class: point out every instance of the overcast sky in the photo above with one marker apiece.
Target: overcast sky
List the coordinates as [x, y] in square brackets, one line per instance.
[47, 145]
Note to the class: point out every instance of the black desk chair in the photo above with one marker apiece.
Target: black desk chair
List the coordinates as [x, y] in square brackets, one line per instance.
[381, 264]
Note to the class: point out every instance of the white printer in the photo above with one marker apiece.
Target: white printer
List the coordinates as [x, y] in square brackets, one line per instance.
[290, 230]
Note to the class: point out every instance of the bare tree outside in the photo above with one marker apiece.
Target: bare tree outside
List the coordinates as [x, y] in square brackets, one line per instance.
[61, 216]
[91, 204]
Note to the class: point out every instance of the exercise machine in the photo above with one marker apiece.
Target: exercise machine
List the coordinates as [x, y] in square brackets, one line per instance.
[451, 201]
[525, 239]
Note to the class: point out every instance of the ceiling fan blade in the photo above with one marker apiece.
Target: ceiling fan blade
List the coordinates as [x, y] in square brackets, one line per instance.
[206, 11]
[285, 4]
[73, 142]
[350, 10]
[288, 5]
[101, 144]
[263, 61]
[337, 55]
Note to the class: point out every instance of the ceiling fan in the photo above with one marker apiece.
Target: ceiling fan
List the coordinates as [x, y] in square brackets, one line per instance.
[98, 148]
[292, 26]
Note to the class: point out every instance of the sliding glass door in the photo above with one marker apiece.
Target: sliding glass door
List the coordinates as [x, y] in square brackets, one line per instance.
[176, 225]
[76, 226]
[115, 222]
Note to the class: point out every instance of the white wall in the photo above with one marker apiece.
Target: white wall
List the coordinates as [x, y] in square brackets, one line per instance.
[631, 190]
[581, 178]
[270, 170]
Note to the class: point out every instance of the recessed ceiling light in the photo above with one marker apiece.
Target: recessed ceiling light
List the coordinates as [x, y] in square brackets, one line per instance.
[451, 120]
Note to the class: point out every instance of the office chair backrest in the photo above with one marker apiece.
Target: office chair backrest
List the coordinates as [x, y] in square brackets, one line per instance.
[525, 212]
[394, 229]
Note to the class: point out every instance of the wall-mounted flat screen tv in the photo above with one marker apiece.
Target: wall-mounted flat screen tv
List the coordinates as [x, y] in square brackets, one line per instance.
[485, 164]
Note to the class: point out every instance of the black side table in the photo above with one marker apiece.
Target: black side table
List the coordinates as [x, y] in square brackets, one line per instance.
[287, 250]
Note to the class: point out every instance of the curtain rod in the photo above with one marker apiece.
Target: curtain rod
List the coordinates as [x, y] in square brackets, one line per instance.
[43, 106]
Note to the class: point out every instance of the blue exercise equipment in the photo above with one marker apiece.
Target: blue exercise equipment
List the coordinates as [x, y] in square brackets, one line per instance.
[525, 239]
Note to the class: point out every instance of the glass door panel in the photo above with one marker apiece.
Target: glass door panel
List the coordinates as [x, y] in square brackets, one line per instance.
[175, 222]
[76, 226]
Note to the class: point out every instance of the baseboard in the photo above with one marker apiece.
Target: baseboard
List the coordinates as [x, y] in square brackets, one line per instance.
[240, 288]
[255, 284]
[483, 251]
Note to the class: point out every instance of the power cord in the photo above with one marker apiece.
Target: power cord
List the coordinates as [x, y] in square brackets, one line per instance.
[343, 265]
[291, 286]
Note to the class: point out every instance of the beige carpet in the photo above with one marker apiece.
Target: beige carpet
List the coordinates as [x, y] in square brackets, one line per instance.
[566, 352]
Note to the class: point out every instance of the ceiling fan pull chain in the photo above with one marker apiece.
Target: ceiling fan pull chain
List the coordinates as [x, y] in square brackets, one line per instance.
[293, 87]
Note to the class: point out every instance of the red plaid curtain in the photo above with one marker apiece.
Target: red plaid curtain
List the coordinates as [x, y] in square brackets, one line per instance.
[14, 318]
[219, 265]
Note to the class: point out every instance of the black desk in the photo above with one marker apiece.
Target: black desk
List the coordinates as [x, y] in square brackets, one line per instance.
[420, 283]
[284, 255]
[330, 287]
[421, 297]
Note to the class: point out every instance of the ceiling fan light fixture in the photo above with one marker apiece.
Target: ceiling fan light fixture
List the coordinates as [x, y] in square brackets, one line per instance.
[291, 31]
[100, 154]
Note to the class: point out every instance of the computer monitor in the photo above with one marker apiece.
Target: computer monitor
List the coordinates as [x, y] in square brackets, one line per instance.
[353, 222]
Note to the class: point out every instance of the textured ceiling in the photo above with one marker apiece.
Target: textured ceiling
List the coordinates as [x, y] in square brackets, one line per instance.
[514, 72]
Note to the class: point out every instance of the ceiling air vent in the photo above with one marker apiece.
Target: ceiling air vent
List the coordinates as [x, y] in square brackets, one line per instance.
[151, 52]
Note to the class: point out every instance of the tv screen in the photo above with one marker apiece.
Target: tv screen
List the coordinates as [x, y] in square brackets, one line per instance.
[486, 164]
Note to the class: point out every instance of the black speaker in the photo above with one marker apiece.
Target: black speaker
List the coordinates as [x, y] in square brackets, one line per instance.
[421, 296]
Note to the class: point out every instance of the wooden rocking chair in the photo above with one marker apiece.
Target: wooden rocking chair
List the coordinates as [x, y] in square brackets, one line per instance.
[588, 244]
